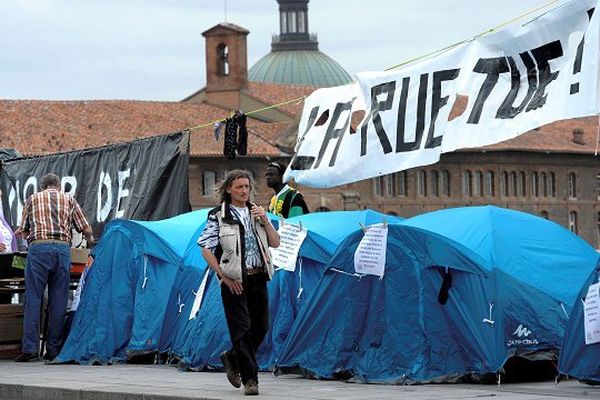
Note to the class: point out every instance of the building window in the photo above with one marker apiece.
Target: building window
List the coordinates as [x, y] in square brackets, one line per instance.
[283, 21]
[435, 182]
[522, 184]
[467, 184]
[378, 186]
[208, 183]
[573, 222]
[478, 183]
[552, 184]
[421, 183]
[534, 184]
[292, 21]
[504, 184]
[222, 59]
[572, 185]
[598, 186]
[445, 183]
[401, 179]
[301, 22]
[513, 184]
[489, 183]
[390, 187]
[544, 214]
[544, 184]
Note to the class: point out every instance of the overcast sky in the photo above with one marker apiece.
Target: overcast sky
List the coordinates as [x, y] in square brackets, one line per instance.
[153, 49]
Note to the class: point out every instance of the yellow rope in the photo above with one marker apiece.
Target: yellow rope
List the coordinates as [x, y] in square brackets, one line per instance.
[299, 99]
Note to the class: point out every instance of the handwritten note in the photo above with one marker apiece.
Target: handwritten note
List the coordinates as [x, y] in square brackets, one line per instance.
[291, 237]
[369, 257]
[591, 315]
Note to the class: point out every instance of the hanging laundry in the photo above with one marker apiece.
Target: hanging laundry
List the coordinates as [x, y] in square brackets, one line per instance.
[230, 140]
[218, 126]
[242, 147]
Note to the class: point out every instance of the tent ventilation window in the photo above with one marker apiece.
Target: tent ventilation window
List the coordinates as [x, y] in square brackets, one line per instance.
[446, 285]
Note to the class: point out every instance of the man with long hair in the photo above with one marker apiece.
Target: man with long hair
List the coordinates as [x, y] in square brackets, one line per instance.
[235, 244]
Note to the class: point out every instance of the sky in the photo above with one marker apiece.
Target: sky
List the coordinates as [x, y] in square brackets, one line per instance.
[154, 50]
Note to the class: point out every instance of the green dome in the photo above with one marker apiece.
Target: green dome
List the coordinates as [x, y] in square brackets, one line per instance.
[299, 67]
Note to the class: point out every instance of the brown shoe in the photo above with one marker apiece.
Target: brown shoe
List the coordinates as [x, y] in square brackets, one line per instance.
[251, 388]
[233, 375]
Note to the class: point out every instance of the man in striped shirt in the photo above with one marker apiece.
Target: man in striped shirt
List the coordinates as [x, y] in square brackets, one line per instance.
[48, 217]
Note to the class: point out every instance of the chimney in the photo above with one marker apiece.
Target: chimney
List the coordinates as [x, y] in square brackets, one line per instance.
[226, 64]
[578, 136]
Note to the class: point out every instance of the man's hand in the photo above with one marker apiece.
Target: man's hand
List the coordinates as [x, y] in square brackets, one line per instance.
[234, 286]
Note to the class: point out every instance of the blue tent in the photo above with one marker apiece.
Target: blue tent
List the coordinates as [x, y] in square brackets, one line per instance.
[126, 299]
[577, 359]
[288, 291]
[539, 253]
[395, 329]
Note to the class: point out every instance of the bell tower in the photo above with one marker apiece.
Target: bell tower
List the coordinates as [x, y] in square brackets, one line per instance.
[226, 64]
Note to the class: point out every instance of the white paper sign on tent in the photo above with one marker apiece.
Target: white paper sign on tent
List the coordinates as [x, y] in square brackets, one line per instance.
[291, 237]
[369, 257]
[591, 314]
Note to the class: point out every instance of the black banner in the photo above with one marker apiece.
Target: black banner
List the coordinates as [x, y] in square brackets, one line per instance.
[146, 179]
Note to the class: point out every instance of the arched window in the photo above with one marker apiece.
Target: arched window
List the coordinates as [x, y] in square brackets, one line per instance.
[552, 184]
[513, 184]
[401, 183]
[467, 184]
[534, 185]
[378, 186]
[573, 226]
[223, 59]
[544, 184]
[445, 183]
[390, 185]
[435, 188]
[478, 184]
[572, 185]
[208, 183]
[522, 184]
[504, 184]
[421, 183]
[489, 183]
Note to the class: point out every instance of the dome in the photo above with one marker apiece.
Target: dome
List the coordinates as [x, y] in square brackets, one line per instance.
[299, 67]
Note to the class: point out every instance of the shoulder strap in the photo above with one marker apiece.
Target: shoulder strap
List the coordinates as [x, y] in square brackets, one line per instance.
[287, 202]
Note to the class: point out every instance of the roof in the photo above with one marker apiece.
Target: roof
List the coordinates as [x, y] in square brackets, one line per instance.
[43, 127]
[299, 67]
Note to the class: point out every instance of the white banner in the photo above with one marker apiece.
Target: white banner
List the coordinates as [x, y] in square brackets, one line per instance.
[512, 81]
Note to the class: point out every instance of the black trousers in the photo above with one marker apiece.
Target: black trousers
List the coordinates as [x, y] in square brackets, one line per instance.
[247, 317]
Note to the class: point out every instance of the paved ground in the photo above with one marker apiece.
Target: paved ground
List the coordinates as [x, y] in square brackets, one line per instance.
[36, 381]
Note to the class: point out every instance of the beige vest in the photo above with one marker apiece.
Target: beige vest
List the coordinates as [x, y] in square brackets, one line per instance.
[230, 240]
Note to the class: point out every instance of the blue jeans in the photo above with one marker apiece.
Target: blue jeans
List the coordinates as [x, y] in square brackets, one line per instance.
[47, 263]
